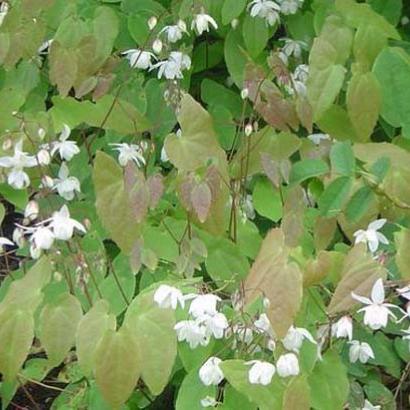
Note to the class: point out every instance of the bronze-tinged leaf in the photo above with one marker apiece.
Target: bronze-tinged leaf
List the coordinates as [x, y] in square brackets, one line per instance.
[213, 180]
[63, 68]
[273, 277]
[156, 189]
[293, 212]
[360, 272]
[317, 269]
[305, 113]
[201, 198]
[297, 394]
[185, 188]
[139, 197]
[271, 169]
[323, 232]
[103, 86]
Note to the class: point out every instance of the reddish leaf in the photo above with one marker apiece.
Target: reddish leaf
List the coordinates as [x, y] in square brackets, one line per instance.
[201, 198]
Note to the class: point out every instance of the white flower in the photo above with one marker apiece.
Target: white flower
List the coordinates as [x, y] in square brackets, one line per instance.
[204, 305]
[4, 9]
[201, 23]
[174, 33]
[63, 226]
[42, 238]
[294, 338]
[301, 73]
[157, 46]
[244, 334]
[288, 365]
[369, 406]
[18, 237]
[248, 130]
[129, 152]
[404, 292]
[43, 157]
[248, 207]
[169, 297]
[318, 138]
[139, 58]
[292, 47]
[67, 149]
[265, 9]
[360, 351]
[191, 332]
[290, 6]
[65, 185]
[376, 313]
[31, 211]
[47, 182]
[215, 325]
[244, 94]
[45, 47]
[263, 325]
[173, 67]
[210, 373]
[4, 242]
[260, 372]
[343, 328]
[371, 236]
[17, 178]
[208, 401]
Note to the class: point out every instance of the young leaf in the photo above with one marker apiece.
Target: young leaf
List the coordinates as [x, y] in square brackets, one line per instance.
[63, 68]
[297, 395]
[360, 272]
[117, 366]
[342, 159]
[271, 276]
[307, 168]
[150, 325]
[201, 198]
[255, 34]
[267, 200]
[334, 197]
[90, 332]
[58, 325]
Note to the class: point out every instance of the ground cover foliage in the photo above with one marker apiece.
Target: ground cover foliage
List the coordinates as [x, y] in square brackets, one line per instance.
[205, 204]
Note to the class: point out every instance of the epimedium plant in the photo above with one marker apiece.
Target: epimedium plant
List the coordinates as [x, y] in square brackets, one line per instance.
[205, 203]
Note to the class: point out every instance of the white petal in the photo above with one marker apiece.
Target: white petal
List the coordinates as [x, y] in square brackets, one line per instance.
[361, 299]
[376, 225]
[377, 295]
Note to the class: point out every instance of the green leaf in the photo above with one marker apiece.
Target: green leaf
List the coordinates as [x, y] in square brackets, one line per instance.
[90, 332]
[231, 399]
[16, 333]
[267, 200]
[307, 168]
[359, 204]
[235, 58]
[232, 9]
[138, 28]
[266, 397]
[334, 197]
[377, 393]
[323, 87]
[18, 197]
[206, 56]
[363, 104]
[58, 325]
[112, 202]
[336, 122]
[329, 383]
[390, 9]
[151, 325]
[117, 366]
[402, 258]
[2, 212]
[392, 70]
[192, 391]
[255, 34]
[342, 159]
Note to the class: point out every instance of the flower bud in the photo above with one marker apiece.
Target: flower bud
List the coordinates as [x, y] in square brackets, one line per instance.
[18, 237]
[234, 23]
[87, 224]
[32, 210]
[47, 182]
[152, 22]
[244, 94]
[7, 144]
[157, 46]
[41, 133]
[43, 157]
[255, 126]
[248, 129]
[181, 25]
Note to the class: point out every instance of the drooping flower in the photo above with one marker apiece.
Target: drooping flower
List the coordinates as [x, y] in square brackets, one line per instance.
[42, 237]
[376, 312]
[294, 338]
[210, 373]
[288, 365]
[318, 138]
[17, 178]
[260, 372]
[360, 351]
[4, 9]
[139, 58]
[266, 9]
[343, 328]
[404, 292]
[31, 211]
[290, 6]
[292, 47]
[215, 324]
[169, 297]
[175, 32]
[63, 225]
[202, 21]
[5, 242]
[173, 67]
[263, 325]
[65, 184]
[191, 332]
[371, 236]
[129, 152]
[243, 334]
[66, 148]
[203, 305]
